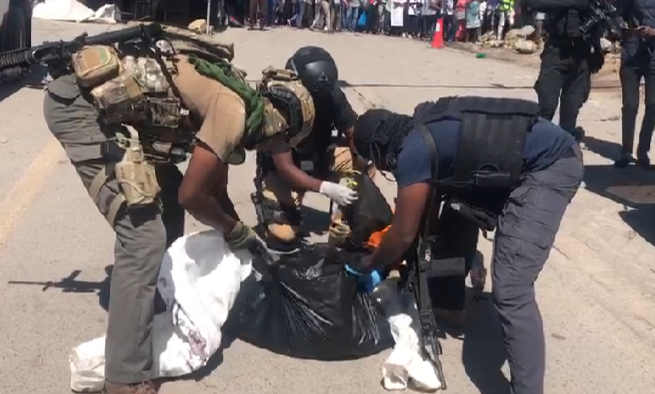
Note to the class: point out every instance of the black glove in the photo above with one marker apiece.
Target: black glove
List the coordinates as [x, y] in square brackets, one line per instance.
[596, 61]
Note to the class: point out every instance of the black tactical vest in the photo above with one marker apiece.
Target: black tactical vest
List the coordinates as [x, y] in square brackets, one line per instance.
[489, 160]
[565, 23]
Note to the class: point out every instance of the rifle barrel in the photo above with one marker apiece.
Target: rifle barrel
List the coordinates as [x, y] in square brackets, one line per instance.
[123, 35]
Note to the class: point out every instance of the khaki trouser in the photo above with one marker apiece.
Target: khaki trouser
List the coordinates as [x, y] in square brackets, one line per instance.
[276, 191]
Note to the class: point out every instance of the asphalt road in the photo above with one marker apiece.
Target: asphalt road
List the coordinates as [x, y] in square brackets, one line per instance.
[596, 292]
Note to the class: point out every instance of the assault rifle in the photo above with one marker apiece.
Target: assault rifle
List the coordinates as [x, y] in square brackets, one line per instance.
[605, 16]
[57, 55]
[423, 265]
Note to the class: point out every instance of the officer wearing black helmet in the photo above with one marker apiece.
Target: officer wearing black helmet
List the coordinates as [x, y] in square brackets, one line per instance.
[284, 174]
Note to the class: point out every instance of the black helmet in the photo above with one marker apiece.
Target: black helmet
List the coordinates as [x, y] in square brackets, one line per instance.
[316, 69]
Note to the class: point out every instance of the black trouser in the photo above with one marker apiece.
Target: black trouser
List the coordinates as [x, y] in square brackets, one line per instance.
[564, 79]
[526, 231]
[258, 11]
[525, 234]
[428, 23]
[632, 71]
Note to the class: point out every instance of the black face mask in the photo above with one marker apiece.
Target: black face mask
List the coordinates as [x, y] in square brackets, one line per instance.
[378, 136]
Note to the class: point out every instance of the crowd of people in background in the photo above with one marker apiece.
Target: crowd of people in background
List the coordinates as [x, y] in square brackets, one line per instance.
[462, 20]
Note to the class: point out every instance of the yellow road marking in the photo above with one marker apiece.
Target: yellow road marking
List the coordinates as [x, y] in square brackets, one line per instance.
[26, 189]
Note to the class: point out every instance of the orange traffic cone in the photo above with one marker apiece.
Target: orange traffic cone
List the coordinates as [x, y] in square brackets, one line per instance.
[437, 37]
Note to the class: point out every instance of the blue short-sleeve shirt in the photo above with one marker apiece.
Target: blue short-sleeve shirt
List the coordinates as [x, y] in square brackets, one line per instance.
[544, 145]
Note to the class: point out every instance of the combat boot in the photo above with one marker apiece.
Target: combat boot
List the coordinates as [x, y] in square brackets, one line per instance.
[139, 388]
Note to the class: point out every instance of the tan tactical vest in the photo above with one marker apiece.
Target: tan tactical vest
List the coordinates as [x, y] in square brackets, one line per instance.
[130, 87]
[305, 113]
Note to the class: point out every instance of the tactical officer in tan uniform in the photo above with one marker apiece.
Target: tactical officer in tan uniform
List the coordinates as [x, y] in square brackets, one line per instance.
[321, 163]
[124, 139]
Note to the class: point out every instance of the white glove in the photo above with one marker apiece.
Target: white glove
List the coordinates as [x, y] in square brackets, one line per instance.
[340, 194]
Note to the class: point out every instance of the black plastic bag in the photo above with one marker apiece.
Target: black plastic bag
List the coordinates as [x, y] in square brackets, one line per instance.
[311, 309]
[370, 213]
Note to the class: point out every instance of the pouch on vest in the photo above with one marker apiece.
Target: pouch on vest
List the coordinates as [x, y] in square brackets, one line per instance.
[94, 65]
[166, 112]
[136, 177]
[121, 100]
[492, 139]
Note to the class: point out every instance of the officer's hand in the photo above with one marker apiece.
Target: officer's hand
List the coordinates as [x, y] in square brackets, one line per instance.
[645, 31]
[342, 195]
[243, 237]
[366, 283]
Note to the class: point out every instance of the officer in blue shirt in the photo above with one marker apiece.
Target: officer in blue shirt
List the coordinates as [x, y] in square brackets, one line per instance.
[497, 164]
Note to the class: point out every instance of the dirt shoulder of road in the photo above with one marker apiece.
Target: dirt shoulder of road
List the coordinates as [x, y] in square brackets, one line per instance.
[606, 79]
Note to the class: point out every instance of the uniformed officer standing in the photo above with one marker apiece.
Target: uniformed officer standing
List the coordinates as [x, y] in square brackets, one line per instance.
[568, 59]
[637, 63]
[497, 164]
[286, 173]
[143, 198]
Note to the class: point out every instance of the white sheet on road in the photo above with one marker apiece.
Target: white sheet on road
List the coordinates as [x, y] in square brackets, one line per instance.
[199, 281]
[74, 11]
[405, 363]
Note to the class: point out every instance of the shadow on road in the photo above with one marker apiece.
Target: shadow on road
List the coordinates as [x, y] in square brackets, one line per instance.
[607, 149]
[483, 353]
[632, 187]
[315, 221]
[33, 80]
[70, 284]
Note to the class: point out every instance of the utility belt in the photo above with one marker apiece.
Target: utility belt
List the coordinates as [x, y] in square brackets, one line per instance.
[133, 92]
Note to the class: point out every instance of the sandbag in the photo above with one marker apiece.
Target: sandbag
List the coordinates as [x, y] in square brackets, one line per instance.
[369, 214]
[310, 309]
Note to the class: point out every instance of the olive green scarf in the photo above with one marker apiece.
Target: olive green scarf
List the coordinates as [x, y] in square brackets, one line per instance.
[226, 75]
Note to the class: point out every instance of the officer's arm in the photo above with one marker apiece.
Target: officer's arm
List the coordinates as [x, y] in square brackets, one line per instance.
[348, 133]
[553, 5]
[296, 177]
[345, 118]
[359, 163]
[205, 181]
[410, 205]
